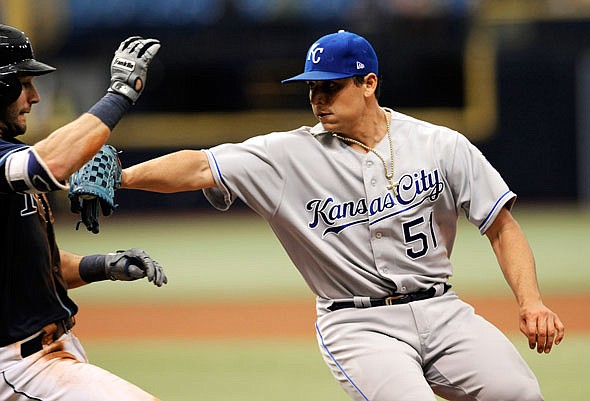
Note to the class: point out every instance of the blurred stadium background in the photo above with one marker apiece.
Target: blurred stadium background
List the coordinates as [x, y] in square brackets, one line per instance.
[512, 75]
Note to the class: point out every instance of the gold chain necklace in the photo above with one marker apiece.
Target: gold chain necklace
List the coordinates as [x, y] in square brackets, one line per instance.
[388, 173]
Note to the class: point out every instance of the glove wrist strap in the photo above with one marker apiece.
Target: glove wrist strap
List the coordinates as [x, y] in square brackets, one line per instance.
[110, 109]
[92, 268]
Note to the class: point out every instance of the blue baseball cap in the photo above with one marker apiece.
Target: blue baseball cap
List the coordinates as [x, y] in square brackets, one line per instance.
[336, 56]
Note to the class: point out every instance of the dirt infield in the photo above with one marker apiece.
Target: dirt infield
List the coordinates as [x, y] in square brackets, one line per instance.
[274, 320]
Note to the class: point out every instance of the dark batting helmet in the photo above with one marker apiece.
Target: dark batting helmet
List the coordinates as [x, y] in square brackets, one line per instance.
[16, 57]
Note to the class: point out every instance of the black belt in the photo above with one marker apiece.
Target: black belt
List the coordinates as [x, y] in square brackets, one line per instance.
[395, 299]
[50, 333]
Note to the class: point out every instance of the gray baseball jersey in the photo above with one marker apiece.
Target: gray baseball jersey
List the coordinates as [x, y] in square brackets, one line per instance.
[353, 239]
[329, 207]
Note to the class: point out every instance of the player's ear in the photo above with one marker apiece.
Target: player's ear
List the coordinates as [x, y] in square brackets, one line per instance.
[371, 82]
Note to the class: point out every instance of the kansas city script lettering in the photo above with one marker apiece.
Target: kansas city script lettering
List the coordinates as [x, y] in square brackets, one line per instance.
[413, 190]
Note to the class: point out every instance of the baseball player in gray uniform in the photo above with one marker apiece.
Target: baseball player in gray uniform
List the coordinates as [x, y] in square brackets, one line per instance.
[366, 204]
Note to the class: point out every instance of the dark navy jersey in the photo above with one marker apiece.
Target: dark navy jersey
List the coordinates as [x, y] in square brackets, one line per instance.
[32, 290]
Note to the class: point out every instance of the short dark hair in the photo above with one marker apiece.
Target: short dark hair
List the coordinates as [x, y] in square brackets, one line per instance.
[360, 79]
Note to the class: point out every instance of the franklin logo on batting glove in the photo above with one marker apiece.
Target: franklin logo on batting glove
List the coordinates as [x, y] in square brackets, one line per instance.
[124, 63]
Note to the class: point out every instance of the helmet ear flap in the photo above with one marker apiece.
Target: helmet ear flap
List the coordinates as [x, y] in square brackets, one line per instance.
[10, 89]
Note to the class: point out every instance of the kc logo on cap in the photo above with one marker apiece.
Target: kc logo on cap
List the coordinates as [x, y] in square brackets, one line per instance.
[314, 52]
[337, 56]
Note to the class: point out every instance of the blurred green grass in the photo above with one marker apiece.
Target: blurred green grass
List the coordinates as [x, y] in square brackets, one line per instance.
[558, 235]
[289, 370]
[206, 256]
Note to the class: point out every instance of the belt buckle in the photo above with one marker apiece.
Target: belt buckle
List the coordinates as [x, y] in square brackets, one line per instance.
[49, 333]
[391, 300]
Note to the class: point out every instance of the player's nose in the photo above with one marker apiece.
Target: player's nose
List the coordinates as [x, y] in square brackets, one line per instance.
[316, 96]
[32, 94]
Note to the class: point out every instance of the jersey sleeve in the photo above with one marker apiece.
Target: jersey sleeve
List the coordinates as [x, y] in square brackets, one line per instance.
[477, 186]
[22, 170]
[250, 171]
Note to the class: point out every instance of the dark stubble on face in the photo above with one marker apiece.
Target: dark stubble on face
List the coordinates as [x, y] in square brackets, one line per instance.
[9, 127]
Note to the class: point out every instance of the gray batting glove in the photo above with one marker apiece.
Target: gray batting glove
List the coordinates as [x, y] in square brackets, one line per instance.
[134, 264]
[130, 64]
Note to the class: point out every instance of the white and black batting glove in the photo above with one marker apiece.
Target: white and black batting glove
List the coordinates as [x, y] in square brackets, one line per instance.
[130, 64]
[134, 264]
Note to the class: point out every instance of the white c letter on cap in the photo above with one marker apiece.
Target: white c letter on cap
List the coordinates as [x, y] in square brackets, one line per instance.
[313, 53]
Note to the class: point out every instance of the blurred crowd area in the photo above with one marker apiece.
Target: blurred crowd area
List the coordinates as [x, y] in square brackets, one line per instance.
[512, 75]
[76, 15]
[85, 14]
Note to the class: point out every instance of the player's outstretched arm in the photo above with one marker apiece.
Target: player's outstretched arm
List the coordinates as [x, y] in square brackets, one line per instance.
[129, 265]
[186, 170]
[538, 323]
[69, 147]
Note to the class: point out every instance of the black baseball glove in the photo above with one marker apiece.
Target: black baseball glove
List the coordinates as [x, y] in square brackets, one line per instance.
[93, 184]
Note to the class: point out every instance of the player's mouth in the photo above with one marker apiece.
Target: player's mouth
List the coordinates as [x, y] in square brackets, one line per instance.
[22, 116]
[322, 116]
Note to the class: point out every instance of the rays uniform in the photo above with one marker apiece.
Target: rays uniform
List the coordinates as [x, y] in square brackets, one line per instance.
[33, 291]
[37, 313]
[358, 244]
